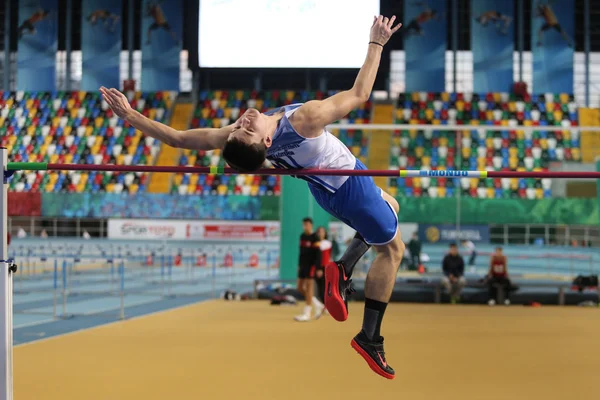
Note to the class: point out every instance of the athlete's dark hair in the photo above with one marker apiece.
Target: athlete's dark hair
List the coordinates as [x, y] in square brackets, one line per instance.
[307, 219]
[244, 157]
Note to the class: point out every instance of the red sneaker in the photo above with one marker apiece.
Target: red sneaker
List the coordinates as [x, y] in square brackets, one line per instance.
[337, 287]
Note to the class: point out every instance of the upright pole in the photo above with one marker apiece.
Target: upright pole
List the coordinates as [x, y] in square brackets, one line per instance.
[586, 48]
[454, 43]
[69, 29]
[6, 71]
[6, 339]
[521, 38]
[130, 35]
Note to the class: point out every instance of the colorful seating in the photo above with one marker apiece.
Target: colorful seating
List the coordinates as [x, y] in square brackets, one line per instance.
[511, 149]
[220, 108]
[77, 127]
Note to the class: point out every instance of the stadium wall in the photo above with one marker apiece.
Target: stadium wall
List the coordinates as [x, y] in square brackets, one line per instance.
[579, 211]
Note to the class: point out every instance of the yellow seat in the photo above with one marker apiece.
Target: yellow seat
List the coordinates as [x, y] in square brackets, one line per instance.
[73, 113]
[80, 187]
[460, 105]
[413, 133]
[177, 179]
[133, 188]
[216, 123]
[149, 160]
[496, 97]
[227, 113]
[445, 96]
[475, 122]
[429, 114]
[393, 191]
[473, 183]
[254, 190]
[520, 135]
[576, 154]
[415, 97]
[355, 150]
[121, 159]
[54, 158]
[192, 160]
[443, 141]
[489, 115]
[70, 104]
[110, 188]
[239, 95]
[68, 158]
[441, 168]
[539, 193]
[527, 123]
[217, 94]
[544, 144]
[426, 161]
[399, 114]
[436, 122]
[513, 162]
[32, 113]
[98, 122]
[131, 149]
[222, 190]
[289, 95]
[417, 182]
[490, 193]
[33, 157]
[223, 103]
[249, 180]
[512, 106]
[152, 114]
[513, 152]
[89, 130]
[259, 104]
[441, 191]
[564, 98]
[489, 143]
[514, 183]
[49, 187]
[413, 121]
[205, 112]
[504, 122]
[55, 122]
[566, 135]
[558, 115]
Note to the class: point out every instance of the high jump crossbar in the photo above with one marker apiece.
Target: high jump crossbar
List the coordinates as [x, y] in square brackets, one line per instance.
[462, 128]
[14, 166]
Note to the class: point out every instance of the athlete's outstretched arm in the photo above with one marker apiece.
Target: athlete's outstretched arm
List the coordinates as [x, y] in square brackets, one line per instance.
[314, 115]
[195, 139]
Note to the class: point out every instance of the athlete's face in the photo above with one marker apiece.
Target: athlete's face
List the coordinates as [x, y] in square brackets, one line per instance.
[321, 233]
[307, 227]
[251, 128]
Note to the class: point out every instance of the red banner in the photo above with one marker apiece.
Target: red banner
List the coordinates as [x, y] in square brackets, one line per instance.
[235, 231]
[24, 204]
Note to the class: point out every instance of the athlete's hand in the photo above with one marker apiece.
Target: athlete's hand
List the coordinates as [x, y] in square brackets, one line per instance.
[117, 102]
[383, 29]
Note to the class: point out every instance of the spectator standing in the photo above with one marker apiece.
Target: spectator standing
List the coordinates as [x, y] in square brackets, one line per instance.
[453, 267]
[498, 277]
[310, 258]
[471, 251]
[414, 247]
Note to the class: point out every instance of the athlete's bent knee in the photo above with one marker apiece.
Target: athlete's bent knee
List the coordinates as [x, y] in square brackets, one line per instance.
[395, 250]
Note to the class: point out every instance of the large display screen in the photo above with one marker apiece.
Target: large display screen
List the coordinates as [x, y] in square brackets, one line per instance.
[284, 33]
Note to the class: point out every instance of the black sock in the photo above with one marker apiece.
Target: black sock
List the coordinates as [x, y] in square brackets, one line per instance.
[374, 311]
[357, 248]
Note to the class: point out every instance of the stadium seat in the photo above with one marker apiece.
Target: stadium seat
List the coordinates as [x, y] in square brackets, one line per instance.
[482, 149]
[79, 127]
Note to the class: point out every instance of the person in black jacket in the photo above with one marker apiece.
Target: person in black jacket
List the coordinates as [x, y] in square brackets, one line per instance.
[453, 266]
[414, 246]
[310, 259]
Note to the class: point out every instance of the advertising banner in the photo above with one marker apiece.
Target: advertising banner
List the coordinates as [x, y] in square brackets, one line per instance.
[100, 43]
[553, 44]
[492, 43]
[239, 231]
[36, 55]
[425, 36]
[162, 24]
[449, 233]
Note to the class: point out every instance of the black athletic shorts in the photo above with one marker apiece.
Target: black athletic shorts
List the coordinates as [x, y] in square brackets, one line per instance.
[306, 271]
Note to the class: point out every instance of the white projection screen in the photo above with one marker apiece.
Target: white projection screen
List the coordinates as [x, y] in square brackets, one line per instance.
[284, 33]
